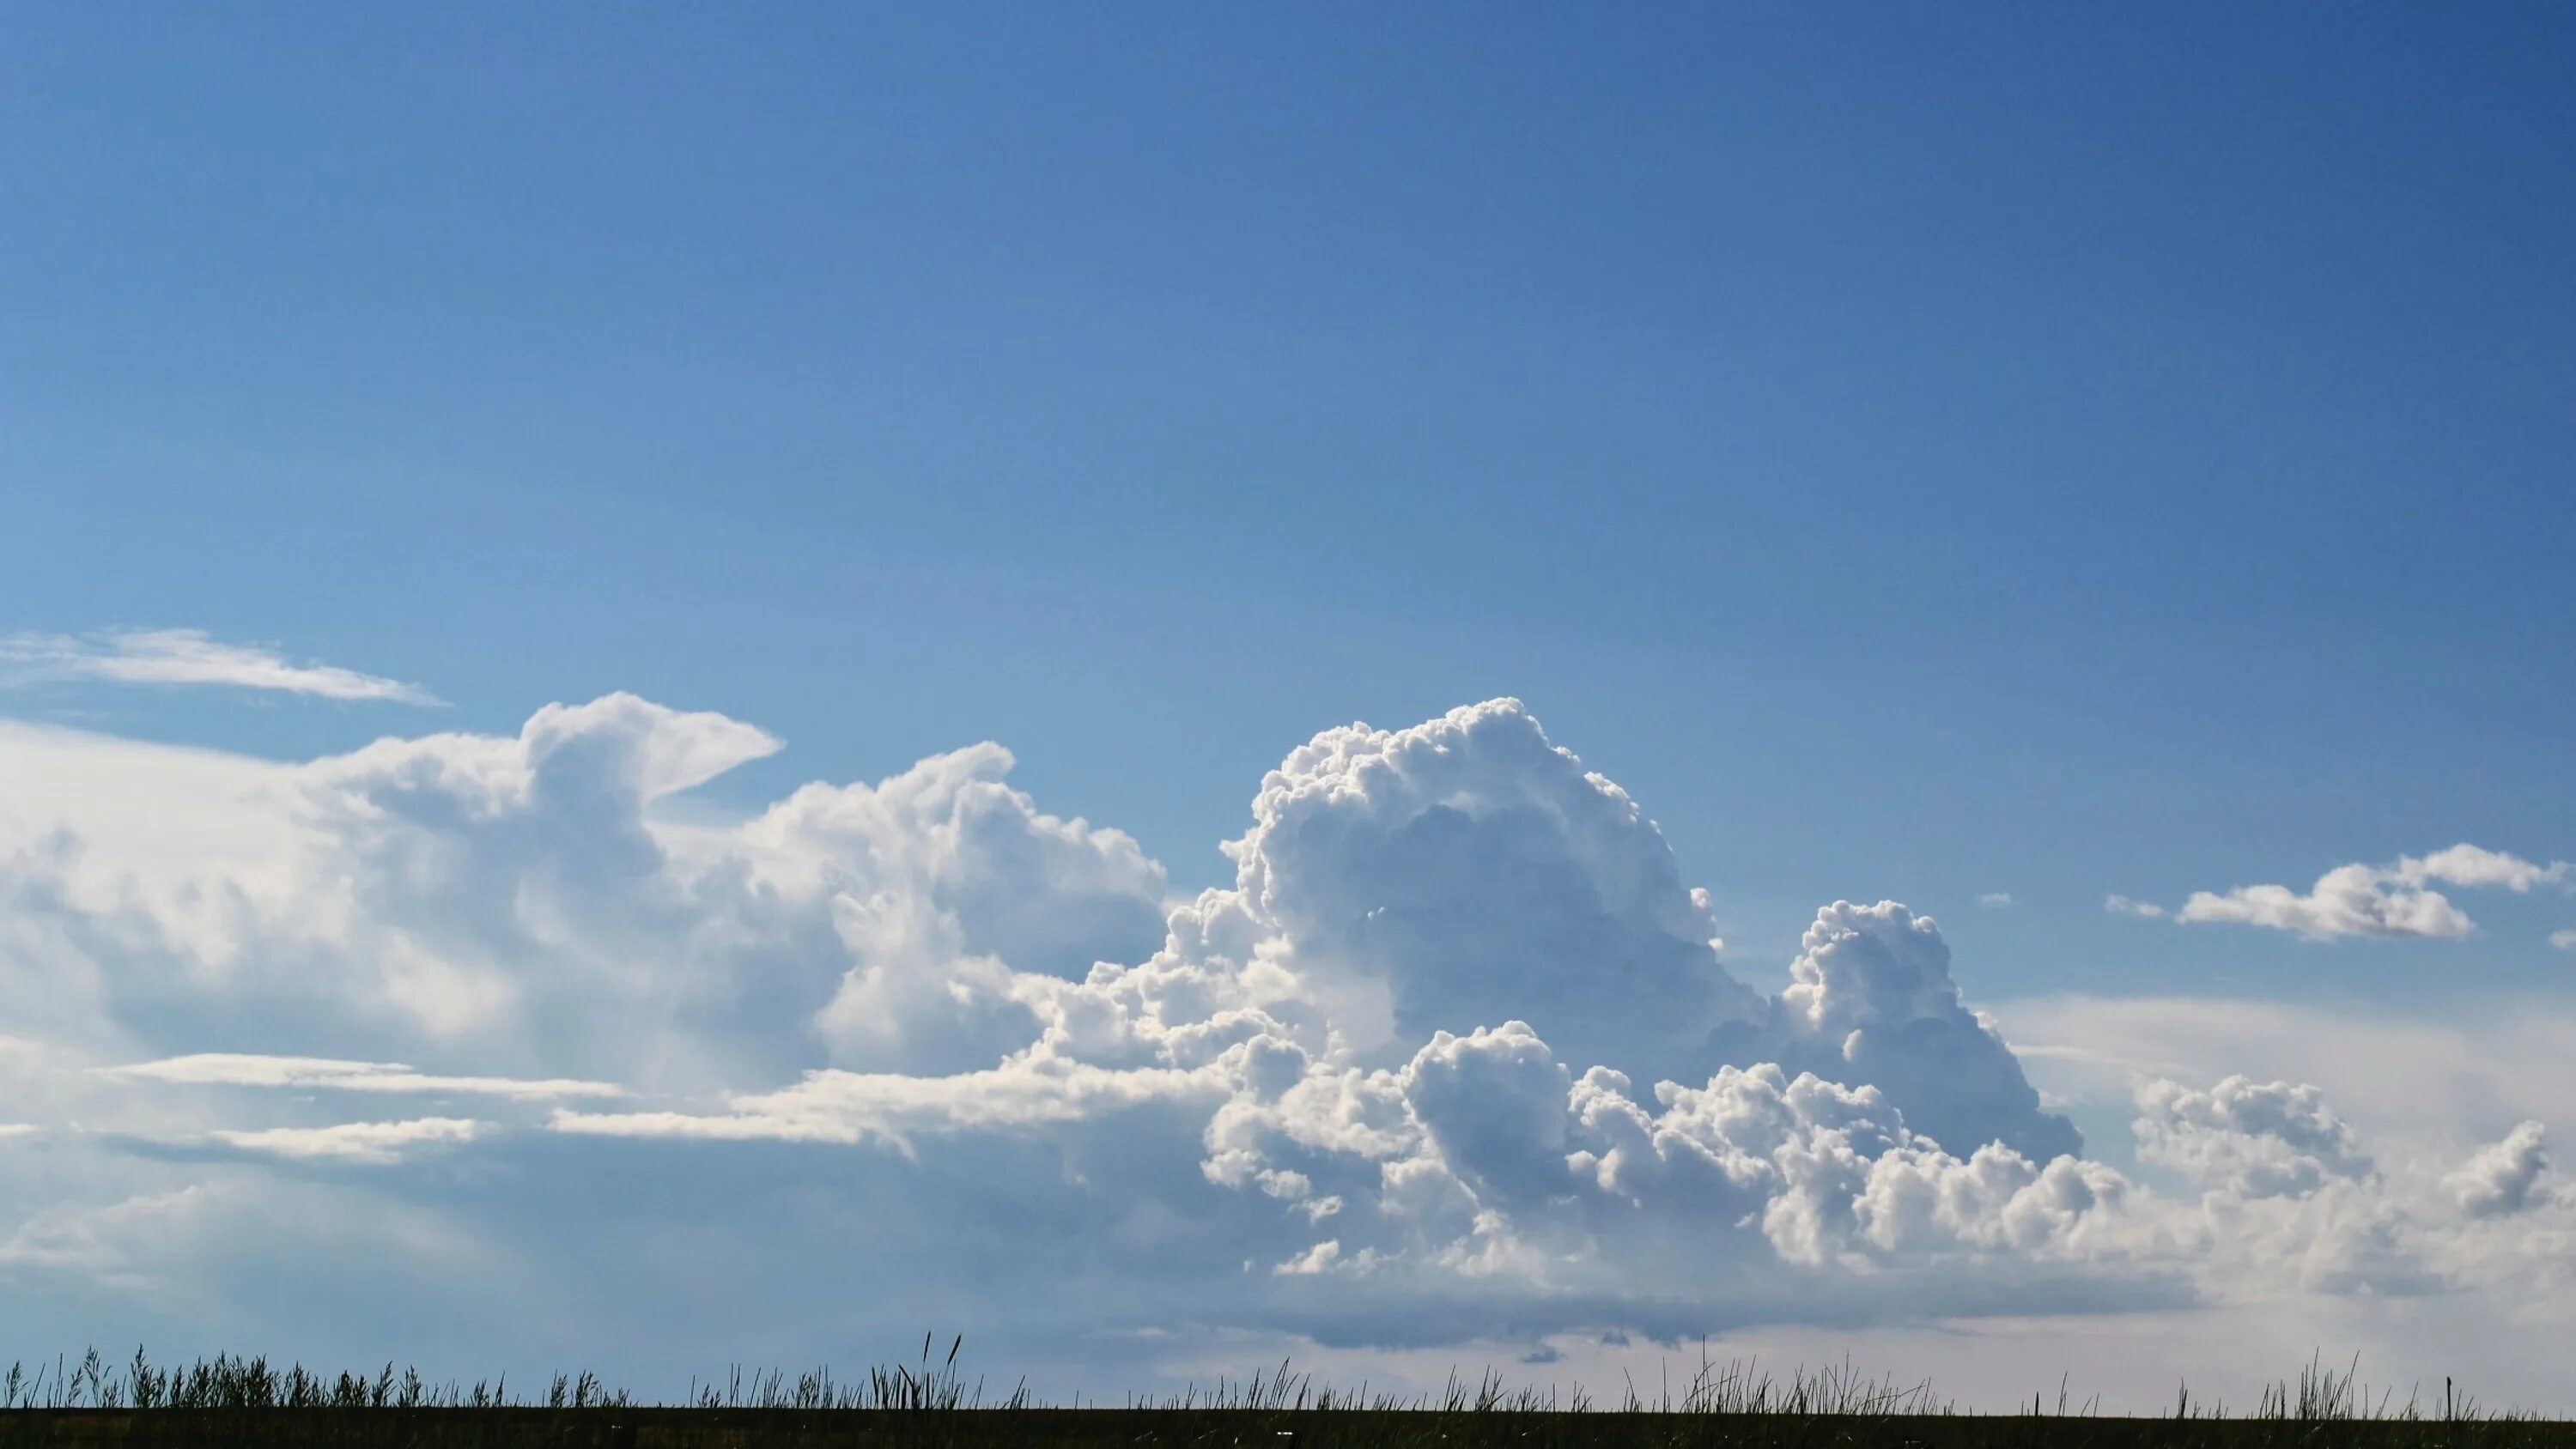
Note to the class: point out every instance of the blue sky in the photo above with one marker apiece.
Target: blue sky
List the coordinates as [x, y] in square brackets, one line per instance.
[1918, 454]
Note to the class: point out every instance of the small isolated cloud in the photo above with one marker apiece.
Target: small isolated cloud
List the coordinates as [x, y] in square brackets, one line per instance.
[1319, 1259]
[371, 1143]
[191, 656]
[2123, 906]
[231, 1069]
[2370, 900]
[2349, 900]
[1995, 900]
[2467, 865]
[2563, 940]
[2501, 1179]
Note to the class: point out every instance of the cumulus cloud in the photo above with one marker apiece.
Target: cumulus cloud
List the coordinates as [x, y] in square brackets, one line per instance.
[2247, 1138]
[2350, 900]
[2120, 905]
[1995, 900]
[2563, 940]
[1467, 871]
[2381, 900]
[2422, 1076]
[190, 656]
[1871, 1000]
[2468, 865]
[2501, 1179]
[1454, 1047]
[1325, 1257]
[1829, 1173]
[1493, 1109]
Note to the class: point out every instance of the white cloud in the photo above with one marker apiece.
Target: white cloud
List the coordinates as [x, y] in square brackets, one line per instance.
[1492, 1107]
[1995, 900]
[848, 1107]
[2468, 865]
[1871, 1000]
[1457, 1009]
[2120, 905]
[2563, 940]
[2247, 1138]
[2503, 1178]
[373, 1143]
[1325, 1257]
[234, 1069]
[1444, 875]
[2367, 900]
[2350, 900]
[190, 656]
[2421, 1077]
[88, 1240]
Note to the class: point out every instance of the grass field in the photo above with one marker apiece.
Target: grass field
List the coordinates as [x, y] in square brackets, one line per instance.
[246, 1401]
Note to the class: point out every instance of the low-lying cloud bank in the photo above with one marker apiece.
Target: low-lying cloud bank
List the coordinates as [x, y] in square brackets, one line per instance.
[1455, 1058]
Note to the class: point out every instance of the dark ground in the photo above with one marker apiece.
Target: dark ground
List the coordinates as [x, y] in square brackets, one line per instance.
[680, 1428]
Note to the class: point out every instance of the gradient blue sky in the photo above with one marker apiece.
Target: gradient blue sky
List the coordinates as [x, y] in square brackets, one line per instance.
[1918, 451]
[1921, 452]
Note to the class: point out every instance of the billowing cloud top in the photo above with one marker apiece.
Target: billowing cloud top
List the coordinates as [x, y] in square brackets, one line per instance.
[1456, 1048]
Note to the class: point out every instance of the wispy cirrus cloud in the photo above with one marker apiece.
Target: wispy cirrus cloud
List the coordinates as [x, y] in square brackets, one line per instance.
[848, 1107]
[374, 1144]
[191, 656]
[234, 1069]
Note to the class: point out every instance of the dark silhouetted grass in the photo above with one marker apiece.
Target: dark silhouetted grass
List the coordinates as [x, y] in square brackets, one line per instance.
[229, 1401]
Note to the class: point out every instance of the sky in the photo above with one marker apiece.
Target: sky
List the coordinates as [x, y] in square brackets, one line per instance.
[603, 616]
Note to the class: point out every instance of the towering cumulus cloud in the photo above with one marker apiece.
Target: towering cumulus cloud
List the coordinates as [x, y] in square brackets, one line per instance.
[1467, 871]
[1455, 1055]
